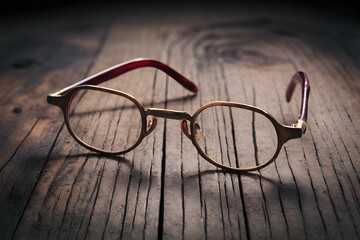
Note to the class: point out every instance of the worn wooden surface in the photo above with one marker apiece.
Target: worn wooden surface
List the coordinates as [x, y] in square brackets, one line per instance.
[51, 187]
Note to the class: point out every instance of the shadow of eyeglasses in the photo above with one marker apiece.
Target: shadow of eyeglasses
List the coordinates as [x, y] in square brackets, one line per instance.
[244, 174]
[117, 158]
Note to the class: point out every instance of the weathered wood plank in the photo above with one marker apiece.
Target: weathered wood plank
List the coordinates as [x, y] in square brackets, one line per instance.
[140, 194]
[337, 177]
[51, 187]
[28, 163]
[30, 67]
[30, 70]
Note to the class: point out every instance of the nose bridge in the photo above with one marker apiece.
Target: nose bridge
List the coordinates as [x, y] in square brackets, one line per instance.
[167, 113]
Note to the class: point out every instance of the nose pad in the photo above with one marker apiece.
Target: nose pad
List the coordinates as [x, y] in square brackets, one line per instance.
[151, 125]
[198, 132]
[185, 128]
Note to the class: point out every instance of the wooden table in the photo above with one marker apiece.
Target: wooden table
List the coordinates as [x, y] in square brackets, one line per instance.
[51, 187]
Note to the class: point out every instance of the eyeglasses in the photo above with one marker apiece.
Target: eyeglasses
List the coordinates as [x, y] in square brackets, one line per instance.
[87, 108]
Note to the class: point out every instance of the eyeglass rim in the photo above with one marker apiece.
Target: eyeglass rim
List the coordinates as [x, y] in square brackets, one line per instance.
[284, 133]
[66, 113]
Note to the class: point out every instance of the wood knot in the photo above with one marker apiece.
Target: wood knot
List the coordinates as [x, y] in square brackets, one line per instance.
[247, 57]
[251, 57]
[17, 110]
[25, 63]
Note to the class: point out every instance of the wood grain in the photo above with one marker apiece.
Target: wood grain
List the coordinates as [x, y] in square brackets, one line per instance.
[53, 188]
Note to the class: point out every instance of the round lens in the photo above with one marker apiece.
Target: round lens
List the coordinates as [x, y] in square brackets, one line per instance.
[235, 136]
[106, 121]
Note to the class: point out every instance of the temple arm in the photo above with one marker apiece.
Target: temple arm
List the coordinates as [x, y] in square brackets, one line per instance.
[119, 69]
[300, 77]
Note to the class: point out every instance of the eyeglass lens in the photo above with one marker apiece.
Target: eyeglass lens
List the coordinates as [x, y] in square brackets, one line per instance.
[91, 110]
[236, 137]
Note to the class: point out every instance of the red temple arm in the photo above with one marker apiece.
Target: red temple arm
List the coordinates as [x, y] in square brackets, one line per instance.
[300, 77]
[131, 65]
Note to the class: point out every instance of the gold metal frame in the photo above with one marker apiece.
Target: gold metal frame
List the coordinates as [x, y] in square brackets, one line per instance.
[63, 99]
[284, 133]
